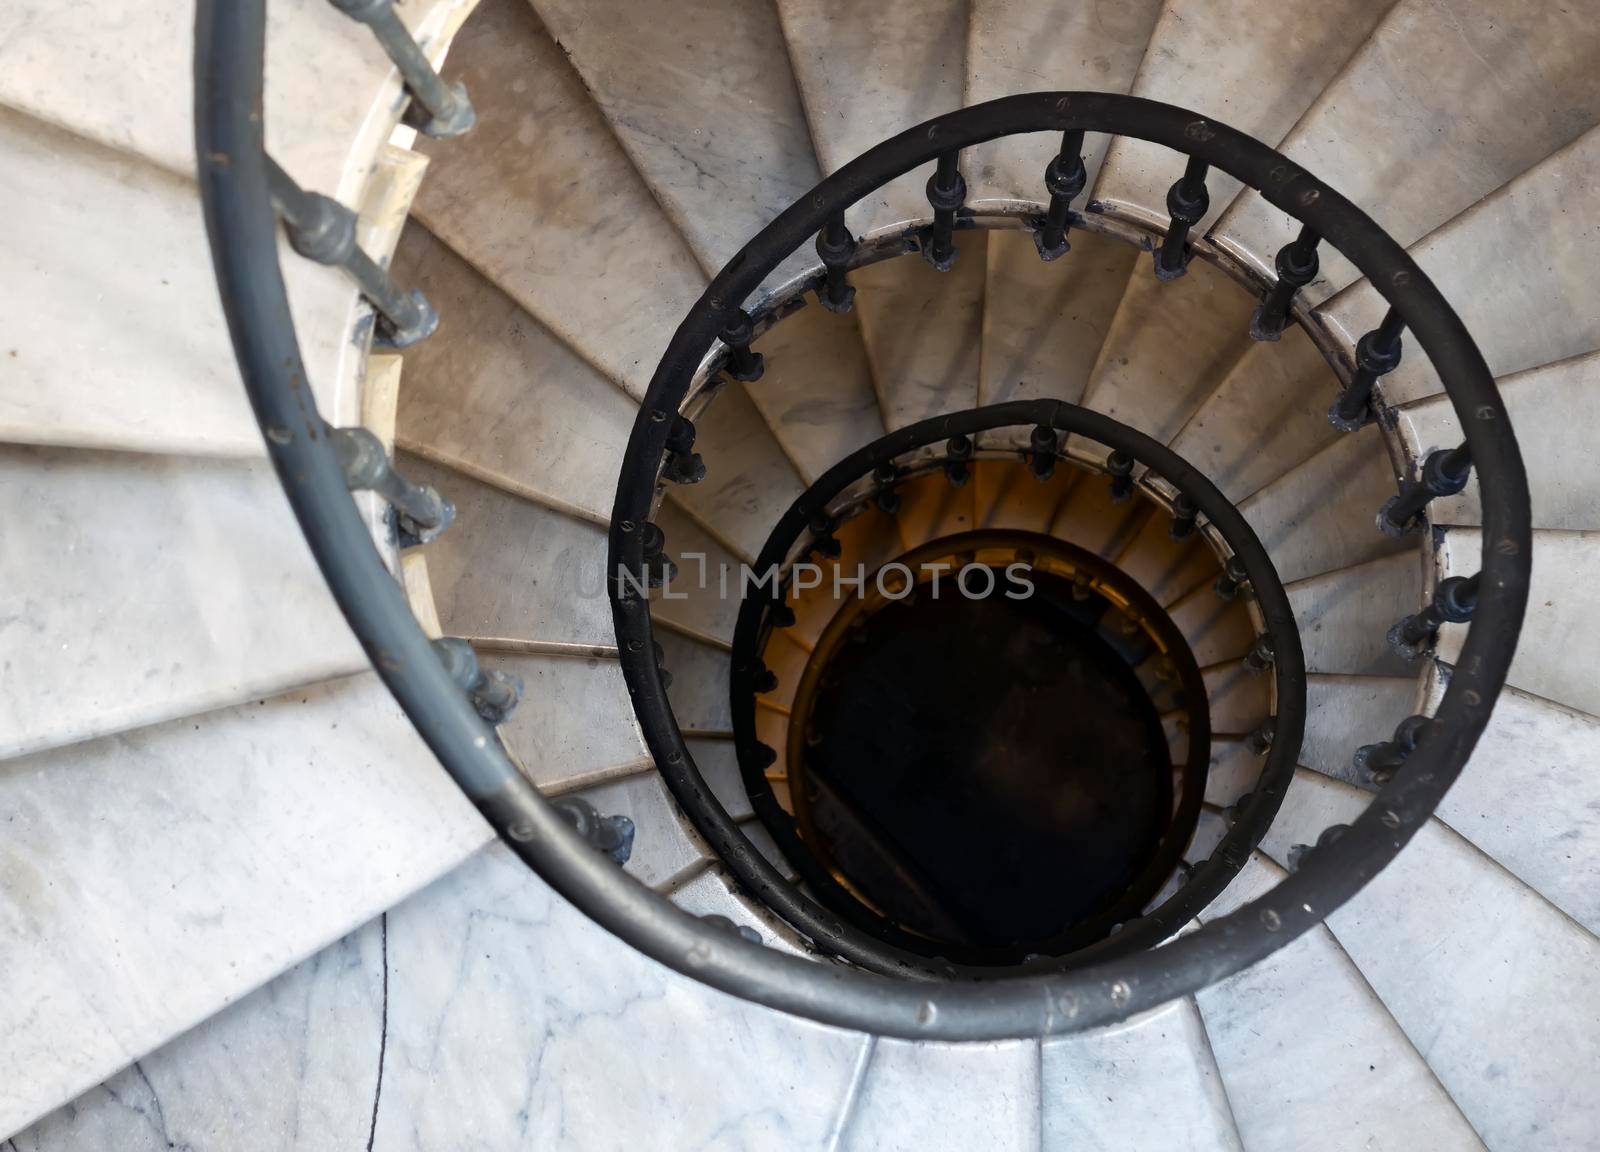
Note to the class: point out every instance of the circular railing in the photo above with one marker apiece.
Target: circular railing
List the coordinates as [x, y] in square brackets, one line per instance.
[235, 180]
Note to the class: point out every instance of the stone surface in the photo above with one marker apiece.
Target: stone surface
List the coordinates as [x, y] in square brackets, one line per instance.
[141, 588]
[1342, 615]
[1496, 988]
[145, 888]
[699, 689]
[1552, 413]
[575, 722]
[702, 601]
[1345, 712]
[542, 199]
[1168, 569]
[664, 843]
[1217, 630]
[495, 394]
[918, 1096]
[1443, 103]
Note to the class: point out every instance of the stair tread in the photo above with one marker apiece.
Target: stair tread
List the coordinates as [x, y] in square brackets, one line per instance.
[924, 331]
[1044, 323]
[1168, 569]
[1470, 94]
[699, 689]
[126, 380]
[496, 394]
[1547, 304]
[690, 603]
[1345, 712]
[1254, 66]
[569, 230]
[1168, 347]
[915, 1096]
[709, 894]
[718, 134]
[1312, 1059]
[1016, 46]
[1556, 655]
[1322, 516]
[1494, 986]
[868, 72]
[1341, 615]
[664, 844]
[1148, 1083]
[1217, 630]
[512, 569]
[327, 808]
[125, 79]
[127, 572]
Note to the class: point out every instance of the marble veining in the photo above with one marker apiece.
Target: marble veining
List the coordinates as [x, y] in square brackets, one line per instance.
[920, 1096]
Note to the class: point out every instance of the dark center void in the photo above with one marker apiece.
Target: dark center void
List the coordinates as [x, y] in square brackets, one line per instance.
[987, 772]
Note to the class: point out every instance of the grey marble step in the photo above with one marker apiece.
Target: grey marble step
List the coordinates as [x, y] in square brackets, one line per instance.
[1341, 615]
[1150, 1083]
[542, 199]
[1551, 411]
[1168, 569]
[868, 72]
[331, 97]
[696, 605]
[1311, 1058]
[1345, 712]
[1240, 698]
[142, 872]
[1556, 650]
[699, 689]
[1515, 237]
[1251, 65]
[1439, 107]
[1169, 347]
[91, 358]
[918, 1096]
[1322, 516]
[134, 590]
[1217, 630]
[1495, 986]
[495, 394]
[1016, 46]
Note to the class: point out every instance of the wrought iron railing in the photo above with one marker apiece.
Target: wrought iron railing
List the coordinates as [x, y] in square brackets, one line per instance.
[236, 187]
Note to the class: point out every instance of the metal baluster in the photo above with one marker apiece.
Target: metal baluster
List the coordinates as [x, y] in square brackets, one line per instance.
[763, 679]
[612, 835]
[885, 477]
[1232, 580]
[1260, 740]
[1377, 354]
[449, 112]
[1296, 263]
[1184, 515]
[1299, 853]
[493, 693]
[1379, 762]
[1444, 473]
[836, 247]
[1042, 442]
[322, 229]
[1187, 203]
[1064, 177]
[947, 191]
[1454, 601]
[823, 541]
[659, 568]
[1119, 466]
[723, 924]
[1261, 654]
[684, 465]
[422, 514]
[743, 365]
[958, 450]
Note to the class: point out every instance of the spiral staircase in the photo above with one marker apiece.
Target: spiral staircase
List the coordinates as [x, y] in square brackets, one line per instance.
[659, 301]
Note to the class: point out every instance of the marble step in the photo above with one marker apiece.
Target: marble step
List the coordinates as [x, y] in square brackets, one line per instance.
[1311, 1058]
[867, 72]
[1150, 1083]
[1491, 982]
[1551, 409]
[134, 588]
[1268, 414]
[496, 395]
[932, 508]
[1518, 238]
[1016, 46]
[1556, 650]
[1322, 516]
[140, 876]
[914, 1096]
[126, 379]
[749, 483]
[1341, 615]
[717, 131]
[703, 601]
[1240, 698]
[1251, 65]
[699, 689]
[1168, 569]
[126, 80]
[924, 331]
[512, 570]
[1168, 347]
[1007, 495]
[1044, 323]
[1218, 631]
[1345, 712]
[542, 199]
[1439, 107]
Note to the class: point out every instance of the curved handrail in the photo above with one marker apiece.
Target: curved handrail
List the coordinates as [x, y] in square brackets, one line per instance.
[229, 68]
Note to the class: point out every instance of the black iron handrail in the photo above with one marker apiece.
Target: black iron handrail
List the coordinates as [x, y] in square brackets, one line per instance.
[229, 69]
